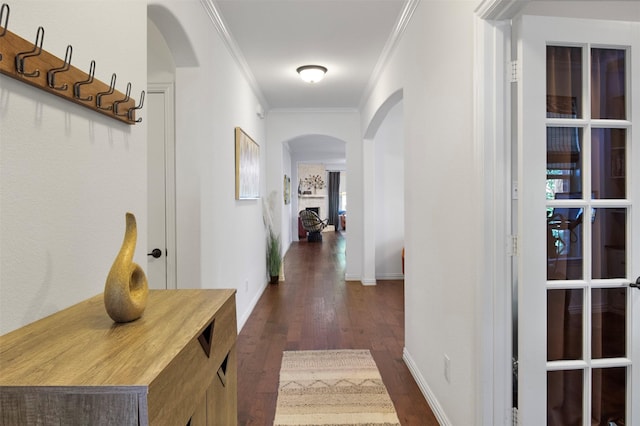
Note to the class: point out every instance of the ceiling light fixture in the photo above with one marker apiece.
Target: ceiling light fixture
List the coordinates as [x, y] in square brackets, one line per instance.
[311, 73]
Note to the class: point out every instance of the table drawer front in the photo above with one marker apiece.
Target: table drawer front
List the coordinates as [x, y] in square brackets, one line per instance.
[222, 395]
[174, 395]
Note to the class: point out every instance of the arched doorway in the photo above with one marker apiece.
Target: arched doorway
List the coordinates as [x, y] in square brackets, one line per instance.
[318, 152]
[383, 216]
[167, 48]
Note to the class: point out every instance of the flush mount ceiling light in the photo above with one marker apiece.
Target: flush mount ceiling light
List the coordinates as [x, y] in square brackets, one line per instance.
[311, 73]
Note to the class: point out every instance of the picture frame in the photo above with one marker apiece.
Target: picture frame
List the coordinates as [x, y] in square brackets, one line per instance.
[247, 166]
[287, 189]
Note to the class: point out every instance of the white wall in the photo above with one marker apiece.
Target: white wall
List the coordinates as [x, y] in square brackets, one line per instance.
[389, 196]
[608, 10]
[161, 67]
[221, 241]
[283, 126]
[69, 174]
[433, 66]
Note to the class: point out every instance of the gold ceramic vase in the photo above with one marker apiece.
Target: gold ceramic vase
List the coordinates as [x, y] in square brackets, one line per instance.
[126, 288]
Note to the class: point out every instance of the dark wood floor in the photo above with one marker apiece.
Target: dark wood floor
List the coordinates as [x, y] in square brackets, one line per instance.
[314, 308]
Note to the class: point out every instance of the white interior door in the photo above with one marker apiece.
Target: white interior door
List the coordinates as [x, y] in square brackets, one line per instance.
[579, 222]
[160, 171]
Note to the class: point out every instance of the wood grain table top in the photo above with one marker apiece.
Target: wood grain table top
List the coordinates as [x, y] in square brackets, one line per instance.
[81, 346]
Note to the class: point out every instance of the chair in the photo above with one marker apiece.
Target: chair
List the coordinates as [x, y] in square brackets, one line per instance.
[312, 223]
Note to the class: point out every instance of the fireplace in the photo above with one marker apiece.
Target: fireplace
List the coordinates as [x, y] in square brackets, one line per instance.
[314, 209]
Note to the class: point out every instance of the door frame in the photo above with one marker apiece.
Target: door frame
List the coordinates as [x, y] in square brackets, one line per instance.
[493, 163]
[167, 89]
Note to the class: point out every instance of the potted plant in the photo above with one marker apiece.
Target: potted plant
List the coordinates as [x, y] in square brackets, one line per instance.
[274, 256]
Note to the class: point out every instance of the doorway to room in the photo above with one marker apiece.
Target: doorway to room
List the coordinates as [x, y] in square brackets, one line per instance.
[389, 196]
[383, 193]
[161, 228]
[311, 158]
[161, 187]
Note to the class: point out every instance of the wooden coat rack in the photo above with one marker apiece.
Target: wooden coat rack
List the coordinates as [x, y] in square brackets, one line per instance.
[27, 62]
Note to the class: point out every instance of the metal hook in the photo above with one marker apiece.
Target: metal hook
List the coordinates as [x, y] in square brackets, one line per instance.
[37, 49]
[76, 86]
[126, 99]
[5, 6]
[6, 22]
[99, 96]
[51, 74]
[132, 109]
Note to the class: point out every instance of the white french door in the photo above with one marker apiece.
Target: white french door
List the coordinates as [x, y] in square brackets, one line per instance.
[579, 222]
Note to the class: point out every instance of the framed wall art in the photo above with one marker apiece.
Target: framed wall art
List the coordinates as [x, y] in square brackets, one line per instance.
[286, 190]
[247, 166]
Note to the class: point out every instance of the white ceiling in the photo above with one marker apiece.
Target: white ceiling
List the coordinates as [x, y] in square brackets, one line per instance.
[271, 38]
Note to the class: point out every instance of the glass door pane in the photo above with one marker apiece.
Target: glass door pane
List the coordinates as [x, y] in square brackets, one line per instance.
[564, 82]
[564, 398]
[609, 243]
[608, 84]
[608, 323]
[608, 163]
[608, 400]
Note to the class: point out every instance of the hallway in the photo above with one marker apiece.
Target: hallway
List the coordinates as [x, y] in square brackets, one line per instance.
[316, 309]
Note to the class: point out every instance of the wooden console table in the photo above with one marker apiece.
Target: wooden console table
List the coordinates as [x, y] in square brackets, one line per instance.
[174, 366]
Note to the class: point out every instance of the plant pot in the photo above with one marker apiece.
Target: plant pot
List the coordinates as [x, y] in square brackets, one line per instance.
[274, 279]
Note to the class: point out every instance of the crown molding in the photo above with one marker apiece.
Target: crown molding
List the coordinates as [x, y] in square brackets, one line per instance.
[389, 48]
[234, 50]
[496, 10]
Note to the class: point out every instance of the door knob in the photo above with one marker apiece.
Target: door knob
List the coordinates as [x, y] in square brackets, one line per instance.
[156, 252]
[636, 284]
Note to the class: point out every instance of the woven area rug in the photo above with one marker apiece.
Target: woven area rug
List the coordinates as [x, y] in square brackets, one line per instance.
[337, 387]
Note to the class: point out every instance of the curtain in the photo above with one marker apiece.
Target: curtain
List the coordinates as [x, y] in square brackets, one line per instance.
[334, 198]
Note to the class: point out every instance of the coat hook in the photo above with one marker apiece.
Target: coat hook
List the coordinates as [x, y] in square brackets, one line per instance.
[99, 96]
[76, 86]
[126, 99]
[132, 109]
[37, 49]
[51, 74]
[5, 6]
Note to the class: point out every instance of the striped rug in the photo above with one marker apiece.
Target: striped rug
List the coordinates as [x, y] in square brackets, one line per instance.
[336, 387]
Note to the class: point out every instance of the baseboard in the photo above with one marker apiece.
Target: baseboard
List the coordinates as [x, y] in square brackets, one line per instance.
[368, 281]
[351, 277]
[437, 409]
[245, 317]
[390, 276]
